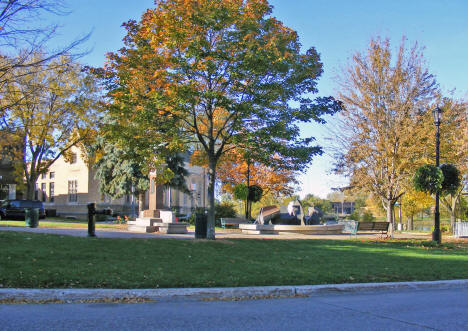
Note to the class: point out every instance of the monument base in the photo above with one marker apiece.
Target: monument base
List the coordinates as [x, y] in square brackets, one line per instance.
[164, 222]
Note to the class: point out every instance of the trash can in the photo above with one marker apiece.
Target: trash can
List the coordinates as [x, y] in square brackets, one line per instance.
[201, 221]
[31, 217]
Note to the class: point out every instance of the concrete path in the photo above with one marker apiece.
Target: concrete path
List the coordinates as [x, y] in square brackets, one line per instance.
[220, 234]
[438, 308]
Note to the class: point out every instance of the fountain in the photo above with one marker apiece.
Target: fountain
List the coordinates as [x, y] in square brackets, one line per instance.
[290, 219]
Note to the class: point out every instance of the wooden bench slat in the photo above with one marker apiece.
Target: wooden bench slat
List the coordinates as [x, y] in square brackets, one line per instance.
[372, 226]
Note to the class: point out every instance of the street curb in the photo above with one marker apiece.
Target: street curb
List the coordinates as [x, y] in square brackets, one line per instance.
[228, 293]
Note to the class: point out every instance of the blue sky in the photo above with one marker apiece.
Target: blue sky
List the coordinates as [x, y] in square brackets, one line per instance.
[336, 28]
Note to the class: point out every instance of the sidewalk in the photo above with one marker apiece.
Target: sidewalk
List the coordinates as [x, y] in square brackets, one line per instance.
[220, 234]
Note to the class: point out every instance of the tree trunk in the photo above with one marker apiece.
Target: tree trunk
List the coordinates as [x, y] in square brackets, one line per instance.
[453, 211]
[141, 202]
[246, 208]
[452, 220]
[211, 199]
[451, 206]
[390, 205]
[410, 223]
[30, 189]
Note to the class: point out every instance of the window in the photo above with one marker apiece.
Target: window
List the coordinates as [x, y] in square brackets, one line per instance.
[4, 191]
[72, 191]
[36, 193]
[43, 191]
[52, 175]
[73, 158]
[44, 176]
[51, 192]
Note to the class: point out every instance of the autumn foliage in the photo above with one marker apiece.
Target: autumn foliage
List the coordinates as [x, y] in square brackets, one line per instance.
[210, 75]
[234, 169]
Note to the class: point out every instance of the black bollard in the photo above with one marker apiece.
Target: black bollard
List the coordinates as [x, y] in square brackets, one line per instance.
[91, 221]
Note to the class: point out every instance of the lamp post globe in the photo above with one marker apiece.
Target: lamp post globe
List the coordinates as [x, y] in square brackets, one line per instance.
[437, 115]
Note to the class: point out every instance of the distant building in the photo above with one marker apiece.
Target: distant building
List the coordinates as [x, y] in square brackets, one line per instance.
[7, 180]
[68, 187]
[343, 207]
[342, 204]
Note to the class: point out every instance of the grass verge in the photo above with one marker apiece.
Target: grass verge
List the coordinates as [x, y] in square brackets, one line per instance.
[30, 260]
[62, 224]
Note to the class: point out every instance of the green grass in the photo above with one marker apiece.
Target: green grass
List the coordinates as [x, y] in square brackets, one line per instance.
[30, 260]
[62, 224]
[67, 224]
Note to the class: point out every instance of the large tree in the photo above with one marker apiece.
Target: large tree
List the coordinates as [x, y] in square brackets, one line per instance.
[215, 74]
[121, 171]
[49, 111]
[21, 21]
[412, 202]
[386, 96]
[24, 33]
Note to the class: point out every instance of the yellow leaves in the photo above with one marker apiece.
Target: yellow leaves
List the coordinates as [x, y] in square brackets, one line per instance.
[413, 201]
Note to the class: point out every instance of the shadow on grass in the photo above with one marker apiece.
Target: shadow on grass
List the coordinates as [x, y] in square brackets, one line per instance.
[51, 261]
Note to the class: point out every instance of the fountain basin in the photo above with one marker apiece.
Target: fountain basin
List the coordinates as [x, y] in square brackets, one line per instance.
[285, 229]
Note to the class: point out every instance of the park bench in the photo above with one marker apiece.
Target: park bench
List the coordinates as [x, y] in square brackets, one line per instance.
[234, 222]
[381, 227]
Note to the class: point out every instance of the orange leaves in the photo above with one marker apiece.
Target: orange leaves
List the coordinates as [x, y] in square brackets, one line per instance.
[234, 169]
[199, 158]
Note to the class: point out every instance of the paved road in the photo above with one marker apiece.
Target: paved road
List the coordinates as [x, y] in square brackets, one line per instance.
[434, 309]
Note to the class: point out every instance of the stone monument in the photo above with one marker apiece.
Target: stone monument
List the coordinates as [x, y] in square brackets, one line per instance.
[157, 218]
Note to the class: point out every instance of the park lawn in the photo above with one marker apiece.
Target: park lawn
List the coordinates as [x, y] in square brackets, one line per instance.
[30, 260]
[62, 224]
[79, 225]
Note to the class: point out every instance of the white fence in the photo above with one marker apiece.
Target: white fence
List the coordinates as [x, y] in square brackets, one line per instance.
[461, 229]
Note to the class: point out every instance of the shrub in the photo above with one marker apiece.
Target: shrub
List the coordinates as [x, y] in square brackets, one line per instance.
[100, 218]
[367, 216]
[224, 210]
[444, 228]
[355, 216]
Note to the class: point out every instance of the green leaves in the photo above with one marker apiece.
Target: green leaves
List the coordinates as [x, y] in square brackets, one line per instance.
[255, 193]
[431, 179]
[428, 178]
[452, 178]
[48, 111]
[241, 192]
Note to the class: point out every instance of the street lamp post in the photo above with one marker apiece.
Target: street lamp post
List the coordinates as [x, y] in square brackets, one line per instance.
[437, 113]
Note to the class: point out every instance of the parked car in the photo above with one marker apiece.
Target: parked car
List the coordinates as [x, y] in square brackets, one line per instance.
[15, 208]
